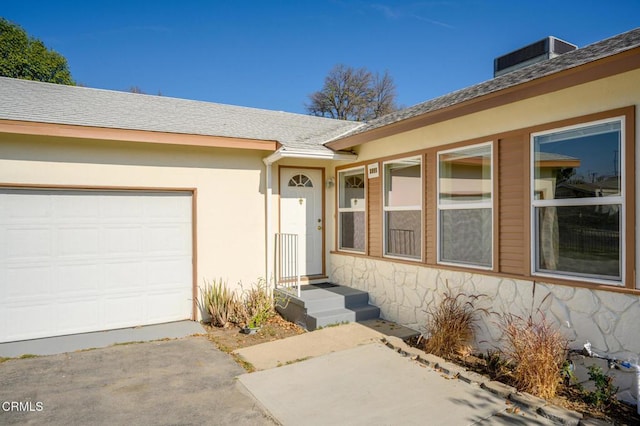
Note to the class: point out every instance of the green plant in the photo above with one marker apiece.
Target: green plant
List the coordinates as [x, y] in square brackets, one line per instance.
[567, 373]
[605, 393]
[258, 305]
[497, 367]
[538, 351]
[451, 324]
[221, 303]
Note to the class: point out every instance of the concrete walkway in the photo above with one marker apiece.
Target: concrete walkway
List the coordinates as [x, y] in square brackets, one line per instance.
[297, 348]
[344, 375]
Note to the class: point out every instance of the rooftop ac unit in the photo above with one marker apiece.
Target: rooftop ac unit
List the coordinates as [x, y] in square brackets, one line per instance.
[546, 48]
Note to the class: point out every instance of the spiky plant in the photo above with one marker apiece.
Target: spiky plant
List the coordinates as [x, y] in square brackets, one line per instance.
[222, 303]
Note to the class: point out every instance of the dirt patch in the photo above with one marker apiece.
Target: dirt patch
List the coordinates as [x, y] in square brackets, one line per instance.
[231, 338]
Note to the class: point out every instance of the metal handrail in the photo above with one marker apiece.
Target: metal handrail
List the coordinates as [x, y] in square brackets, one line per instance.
[287, 271]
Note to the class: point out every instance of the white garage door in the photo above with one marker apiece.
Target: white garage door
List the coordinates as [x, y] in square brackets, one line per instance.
[74, 261]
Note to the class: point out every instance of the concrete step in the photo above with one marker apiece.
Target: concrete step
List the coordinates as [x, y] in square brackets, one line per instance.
[352, 297]
[325, 318]
[324, 304]
[322, 300]
[342, 315]
[366, 312]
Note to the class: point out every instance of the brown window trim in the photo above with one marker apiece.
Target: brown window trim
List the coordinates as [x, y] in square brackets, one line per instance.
[629, 195]
[494, 199]
[429, 258]
[423, 179]
[337, 205]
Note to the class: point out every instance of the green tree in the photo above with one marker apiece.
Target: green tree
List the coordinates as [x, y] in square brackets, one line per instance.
[353, 94]
[22, 56]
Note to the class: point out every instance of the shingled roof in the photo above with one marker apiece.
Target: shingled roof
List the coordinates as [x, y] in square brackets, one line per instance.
[58, 104]
[575, 58]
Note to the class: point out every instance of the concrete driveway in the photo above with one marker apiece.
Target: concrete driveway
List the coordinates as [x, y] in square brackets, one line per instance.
[184, 381]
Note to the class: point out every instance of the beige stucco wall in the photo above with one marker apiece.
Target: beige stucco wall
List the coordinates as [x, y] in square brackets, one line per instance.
[230, 189]
[602, 95]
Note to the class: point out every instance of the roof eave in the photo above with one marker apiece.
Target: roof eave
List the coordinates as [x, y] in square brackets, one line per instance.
[310, 155]
[34, 128]
[601, 68]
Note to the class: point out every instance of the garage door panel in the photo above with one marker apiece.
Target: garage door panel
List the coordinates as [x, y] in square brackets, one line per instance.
[124, 276]
[166, 271]
[25, 321]
[92, 260]
[166, 240]
[125, 311]
[162, 209]
[163, 305]
[19, 209]
[77, 315]
[79, 242]
[28, 242]
[28, 282]
[67, 206]
[123, 240]
[128, 208]
[77, 278]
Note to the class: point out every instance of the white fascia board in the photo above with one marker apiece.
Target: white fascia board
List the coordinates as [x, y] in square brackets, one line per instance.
[314, 155]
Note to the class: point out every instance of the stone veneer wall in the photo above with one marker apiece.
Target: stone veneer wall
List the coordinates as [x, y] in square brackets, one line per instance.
[404, 293]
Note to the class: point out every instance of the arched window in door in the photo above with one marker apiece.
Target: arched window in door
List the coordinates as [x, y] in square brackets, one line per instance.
[301, 180]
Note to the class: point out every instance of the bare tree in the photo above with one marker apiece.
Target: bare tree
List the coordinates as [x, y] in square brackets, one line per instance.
[353, 94]
[383, 99]
[136, 89]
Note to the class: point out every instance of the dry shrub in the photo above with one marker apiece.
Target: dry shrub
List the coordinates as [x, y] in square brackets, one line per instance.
[451, 325]
[258, 305]
[222, 303]
[538, 351]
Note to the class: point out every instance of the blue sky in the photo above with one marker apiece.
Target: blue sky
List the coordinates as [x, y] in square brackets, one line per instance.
[273, 54]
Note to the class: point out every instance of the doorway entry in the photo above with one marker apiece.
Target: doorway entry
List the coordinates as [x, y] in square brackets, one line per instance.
[301, 213]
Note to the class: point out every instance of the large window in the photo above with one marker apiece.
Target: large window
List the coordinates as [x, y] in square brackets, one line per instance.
[403, 208]
[465, 206]
[577, 200]
[351, 209]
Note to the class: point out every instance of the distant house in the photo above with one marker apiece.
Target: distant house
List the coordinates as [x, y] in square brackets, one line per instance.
[115, 207]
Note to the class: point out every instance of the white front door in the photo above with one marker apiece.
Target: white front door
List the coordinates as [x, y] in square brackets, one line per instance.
[301, 213]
